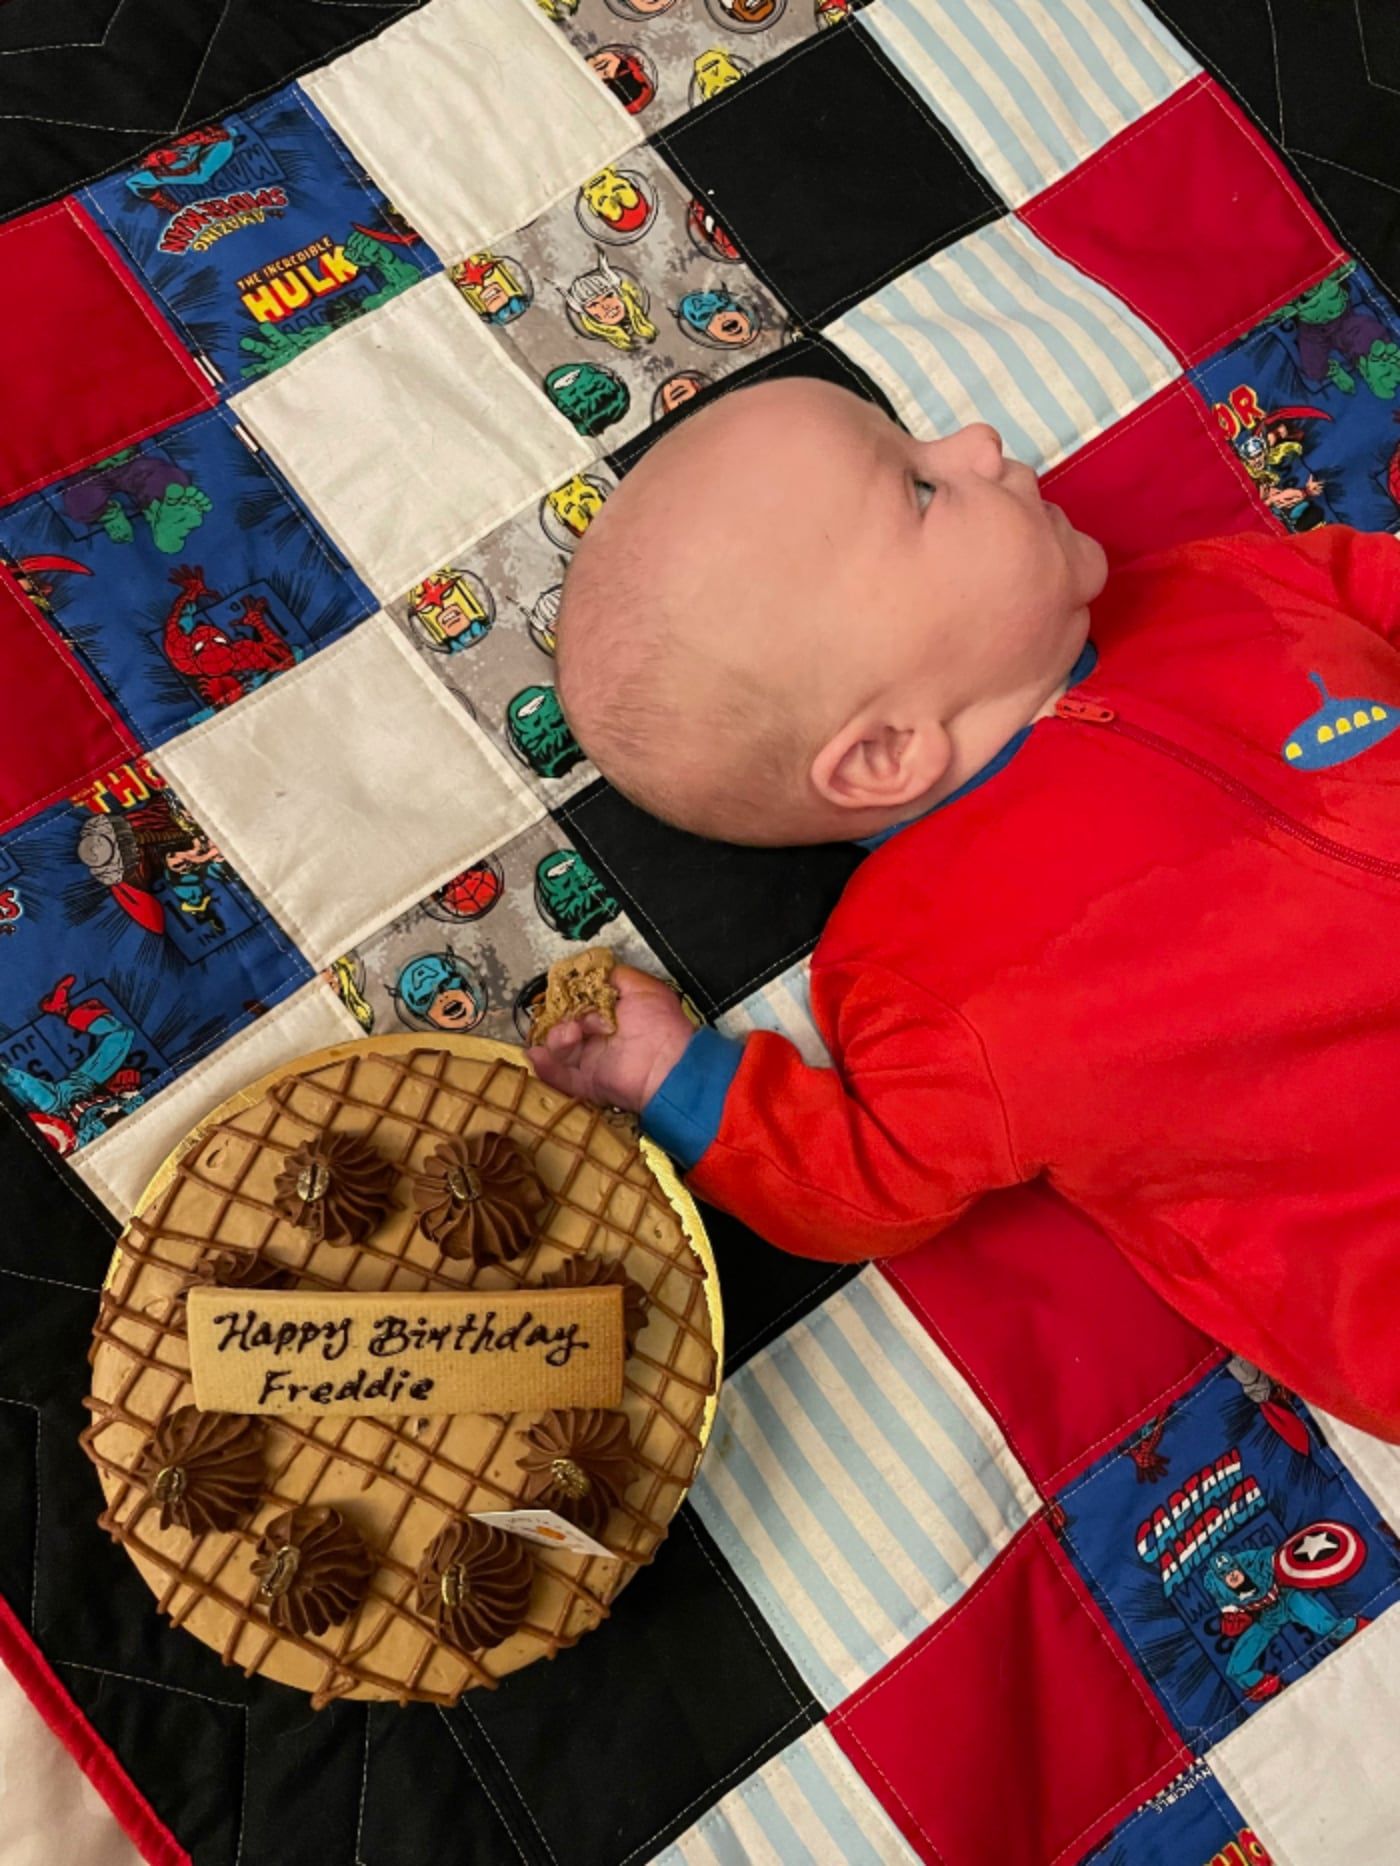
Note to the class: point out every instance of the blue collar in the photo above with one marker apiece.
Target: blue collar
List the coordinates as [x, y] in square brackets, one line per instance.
[1083, 667]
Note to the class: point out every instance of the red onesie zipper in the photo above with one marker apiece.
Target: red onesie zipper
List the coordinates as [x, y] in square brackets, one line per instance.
[1086, 711]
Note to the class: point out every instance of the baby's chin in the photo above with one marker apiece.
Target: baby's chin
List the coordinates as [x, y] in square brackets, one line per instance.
[1088, 562]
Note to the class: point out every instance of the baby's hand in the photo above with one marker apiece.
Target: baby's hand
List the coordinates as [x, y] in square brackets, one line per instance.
[624, 1069]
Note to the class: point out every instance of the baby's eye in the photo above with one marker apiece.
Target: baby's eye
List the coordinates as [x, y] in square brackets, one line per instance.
[923, 493]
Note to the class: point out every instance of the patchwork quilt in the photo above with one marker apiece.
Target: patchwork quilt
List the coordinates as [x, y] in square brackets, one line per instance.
[329, 327]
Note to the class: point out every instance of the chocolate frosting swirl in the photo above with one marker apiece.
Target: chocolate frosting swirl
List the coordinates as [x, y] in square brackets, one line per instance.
[579, 1464]
[313, 1570]
[478, 1196]
[204, 1469]
[473, 1584]
[335, 1188]
[595, 1272]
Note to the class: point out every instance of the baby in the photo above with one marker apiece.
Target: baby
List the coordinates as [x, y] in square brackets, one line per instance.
[1125, 925]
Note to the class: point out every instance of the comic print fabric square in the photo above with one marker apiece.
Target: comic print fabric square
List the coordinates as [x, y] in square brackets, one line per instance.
[183, 572]
[259, 234]
[822, 220]
[486, 622]
[625, 299]
[662, 58]
[131, 945]
[1307, 400]
[474, 954]
[1230, 1547]
[473, 115]
[1191, 1819]
[88, 364]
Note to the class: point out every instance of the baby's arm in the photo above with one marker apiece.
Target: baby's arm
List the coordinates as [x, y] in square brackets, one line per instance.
[864, 1160]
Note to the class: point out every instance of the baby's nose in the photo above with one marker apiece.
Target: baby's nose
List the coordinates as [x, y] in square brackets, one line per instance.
[983, 445]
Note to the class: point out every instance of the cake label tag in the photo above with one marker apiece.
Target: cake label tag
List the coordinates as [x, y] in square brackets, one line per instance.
[546, 1528]
[405, 1352]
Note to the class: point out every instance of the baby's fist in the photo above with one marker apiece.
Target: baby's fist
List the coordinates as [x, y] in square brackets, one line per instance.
[624, 1069]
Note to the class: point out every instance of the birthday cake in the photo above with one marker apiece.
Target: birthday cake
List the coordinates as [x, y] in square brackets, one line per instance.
[345, 1555]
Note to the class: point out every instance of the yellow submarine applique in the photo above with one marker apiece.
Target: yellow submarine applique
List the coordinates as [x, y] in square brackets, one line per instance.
[1337, 731]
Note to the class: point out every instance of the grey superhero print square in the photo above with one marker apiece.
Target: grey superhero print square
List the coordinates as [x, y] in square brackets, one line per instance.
[661, 58]
[624, 299]
[486, 623]
[474, 955]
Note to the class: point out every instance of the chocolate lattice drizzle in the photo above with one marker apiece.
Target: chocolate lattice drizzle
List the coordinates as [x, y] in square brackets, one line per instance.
[400, 1480]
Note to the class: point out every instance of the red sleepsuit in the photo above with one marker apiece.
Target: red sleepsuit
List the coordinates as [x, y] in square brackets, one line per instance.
[1156, 958]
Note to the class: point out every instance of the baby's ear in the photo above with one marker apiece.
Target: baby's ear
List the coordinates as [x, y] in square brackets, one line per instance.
[871, 764]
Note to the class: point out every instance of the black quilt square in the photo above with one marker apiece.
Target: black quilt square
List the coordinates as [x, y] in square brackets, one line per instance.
[829, 173]
[631, 1734]
[723, 919]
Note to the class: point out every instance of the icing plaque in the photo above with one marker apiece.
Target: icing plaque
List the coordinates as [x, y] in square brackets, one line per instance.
[406, 1351]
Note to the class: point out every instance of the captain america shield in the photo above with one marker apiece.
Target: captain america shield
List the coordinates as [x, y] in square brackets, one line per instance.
[1322, 1555]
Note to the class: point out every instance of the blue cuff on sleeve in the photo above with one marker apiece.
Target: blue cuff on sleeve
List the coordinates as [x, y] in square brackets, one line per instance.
[683, 1115]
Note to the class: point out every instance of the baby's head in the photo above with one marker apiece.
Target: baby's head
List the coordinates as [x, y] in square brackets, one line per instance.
[794, 623]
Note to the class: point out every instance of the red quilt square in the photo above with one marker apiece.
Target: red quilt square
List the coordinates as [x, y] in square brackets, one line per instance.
[1160, 476]
[88, 365]
[1016, 1729]
[1062, 1339]
[55, 728]
[1191, 219]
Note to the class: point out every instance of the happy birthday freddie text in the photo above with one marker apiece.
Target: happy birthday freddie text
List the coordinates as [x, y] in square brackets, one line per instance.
[390, 1338]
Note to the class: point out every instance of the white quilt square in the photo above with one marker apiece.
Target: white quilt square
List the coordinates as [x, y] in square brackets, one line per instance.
[409, 431]
[472, 115]
[350, 788]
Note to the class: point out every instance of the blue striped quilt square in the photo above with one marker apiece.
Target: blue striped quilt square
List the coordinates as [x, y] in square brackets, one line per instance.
[856, 1485]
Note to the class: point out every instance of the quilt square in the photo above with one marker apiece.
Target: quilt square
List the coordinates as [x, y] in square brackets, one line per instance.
[1157, 216]
[996, 328]
[183, 572]
[1314, 1776]
[625, 299]
[1016, 1728]
[259, 234]
[682, 891]
[661, 61]
[473, 115]
[856, 1485]
[408, 431]
[1307, 402]
[1085, 1348]
[1030, 86]
[474, 954]
[350, 788]
[133, 944]
[825, 224]
[88, 365]
[56, 727]
[1160, 476]
[1230, 1547]
[485, 621]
